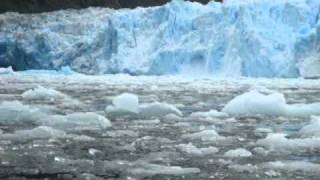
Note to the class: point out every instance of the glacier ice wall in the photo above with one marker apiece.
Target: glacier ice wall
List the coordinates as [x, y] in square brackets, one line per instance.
[256, 38]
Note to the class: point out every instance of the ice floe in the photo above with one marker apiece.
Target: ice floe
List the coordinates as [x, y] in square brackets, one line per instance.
[254, 103]
[12, 112]
[42, 93]
[128, 104]
[240, 152]
[279, 142]
[292, 166]
[78, 121]
[153, 169]
[41, 132]
[212, 113]
[312, 129]
[7, 70]
[193, 150]
[158, 109]
[205, 135]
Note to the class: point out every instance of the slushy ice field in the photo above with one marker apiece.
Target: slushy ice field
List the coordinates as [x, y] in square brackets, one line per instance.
[158, 127]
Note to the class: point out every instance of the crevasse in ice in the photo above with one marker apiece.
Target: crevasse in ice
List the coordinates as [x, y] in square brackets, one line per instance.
[255, 38]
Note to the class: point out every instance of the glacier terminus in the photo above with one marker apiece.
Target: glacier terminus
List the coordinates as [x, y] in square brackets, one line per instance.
[252, 38]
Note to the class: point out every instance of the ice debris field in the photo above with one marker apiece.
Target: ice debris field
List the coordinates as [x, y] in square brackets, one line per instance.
[179, 91]
[134, 127]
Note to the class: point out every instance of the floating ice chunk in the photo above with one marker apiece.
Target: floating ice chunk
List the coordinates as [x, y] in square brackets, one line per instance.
[148, 122]
[204, 135]
[144, 168]
[127, 102]
[16, 112]
[41, 132]
[88, 120]
[162, 156]
[158, 109]
[279, 142]
[303, 110]
[154, 169]
[7, 70]
[193, 150]
[243, 168]
[43, 94]
[261, 151]
[310, 67]
[121, 133]
[253, 102]
[240, 152]
[124, 104]
[293, 166]
[263, 130]
[272, 173]
[172, 117]
[212, 113]
[83, 138]
[93, 151]
[312, 129]
[112, 111]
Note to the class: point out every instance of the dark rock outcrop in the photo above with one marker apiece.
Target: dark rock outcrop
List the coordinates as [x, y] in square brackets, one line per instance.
[36, 6]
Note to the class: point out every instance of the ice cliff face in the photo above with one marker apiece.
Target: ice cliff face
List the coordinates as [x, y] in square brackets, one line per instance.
[256, 38]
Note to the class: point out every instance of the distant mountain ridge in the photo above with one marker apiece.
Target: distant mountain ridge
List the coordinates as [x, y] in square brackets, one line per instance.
[38, 6]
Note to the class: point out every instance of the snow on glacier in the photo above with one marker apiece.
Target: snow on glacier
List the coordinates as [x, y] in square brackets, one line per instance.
[239, 38]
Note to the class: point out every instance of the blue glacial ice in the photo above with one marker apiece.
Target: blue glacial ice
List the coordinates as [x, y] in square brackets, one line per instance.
[255, 38]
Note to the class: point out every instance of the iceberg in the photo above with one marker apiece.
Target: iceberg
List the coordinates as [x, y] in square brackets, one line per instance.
[280, 143]
[14, 112]
[256, 38]
[42, 93]
[274, 104]
[127, 104]
[78, 121]
[254, 102]
[312, 129]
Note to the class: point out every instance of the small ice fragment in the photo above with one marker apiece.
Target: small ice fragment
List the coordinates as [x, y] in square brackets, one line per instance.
[312, 129]
[212, 113]
[193, 150]
[240, 152]
[126, 101]
[7, 70]
[43, 94]
[158, 109]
